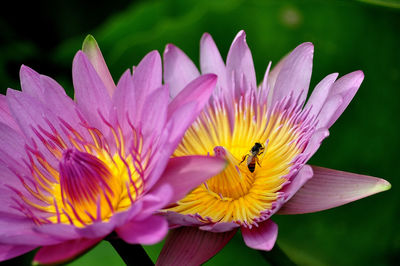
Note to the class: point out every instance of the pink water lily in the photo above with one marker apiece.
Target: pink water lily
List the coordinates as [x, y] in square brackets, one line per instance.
[267, 134]
[72, 172]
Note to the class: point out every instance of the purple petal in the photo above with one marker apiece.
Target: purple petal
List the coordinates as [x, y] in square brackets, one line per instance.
[30, 82]
[273, 74]
[90, 93]
[328, 111]
[12, 144]
[320, 94]
[304, 174]
[31, 114]
[240, 62]
[124, 103]
[96, 230]
[62, 232]
[154, 113]
[177, 220]
[191, 246]
[331, 188]
[179, 70]
[346, 87]
[19, 230]
[147, 232]
[211, 60]
[295, 74]
[5, 114]
[155, 200]
[10, 251]
[92, 51]
[186, 173]
[265, 87]
[64, 252]
[197, 91]
[59, 103]
[262, 237]
[219, 227]
[175, 128]
[147, 78]
[315, 141]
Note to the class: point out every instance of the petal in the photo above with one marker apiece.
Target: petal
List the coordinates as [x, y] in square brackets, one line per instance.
[328, 111]
[155, 200]
[96, 230]
[197, 91]
[147, 232]
[10, 251]
[147, 78]
[124, 103]
[90, 93]
[262, 237]
[19, 230]
[30, 82]
[315, 142]
[60, 103]
[240, 62]
[5, 114]
[179, 70]
[304, 175]
[62, 232]
[191, 246]
[32, 116]
[176, 126]
[320, 94]
[295, 74]
[265, 87]
[92, 51]
[330, 188]
[273, 75]
[186, 173]
[12, 144]
[154, 113]
[346, 87]
[211, 60]
[64, 252]
[176, 220]
[219, 227]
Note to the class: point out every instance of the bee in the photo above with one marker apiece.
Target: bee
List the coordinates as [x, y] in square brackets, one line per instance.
[252, 157]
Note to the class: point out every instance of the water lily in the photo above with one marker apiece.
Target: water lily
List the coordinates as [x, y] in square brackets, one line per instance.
[267, 133]
[73, 172]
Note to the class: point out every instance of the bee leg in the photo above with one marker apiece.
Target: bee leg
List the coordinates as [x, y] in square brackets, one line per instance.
[258, 162]
[244, 158]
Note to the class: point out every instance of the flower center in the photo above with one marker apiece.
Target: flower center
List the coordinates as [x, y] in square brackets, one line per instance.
[81, 178]
[261, 149]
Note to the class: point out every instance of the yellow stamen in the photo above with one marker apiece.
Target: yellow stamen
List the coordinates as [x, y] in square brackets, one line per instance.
[237, 194]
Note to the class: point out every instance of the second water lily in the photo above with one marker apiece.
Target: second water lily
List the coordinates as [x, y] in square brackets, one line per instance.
[267, 133]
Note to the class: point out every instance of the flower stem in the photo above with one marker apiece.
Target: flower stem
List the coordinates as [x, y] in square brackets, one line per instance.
[130, 254]
[276, 257]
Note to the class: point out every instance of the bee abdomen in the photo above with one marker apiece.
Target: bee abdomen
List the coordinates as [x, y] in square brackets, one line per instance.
[251, 167]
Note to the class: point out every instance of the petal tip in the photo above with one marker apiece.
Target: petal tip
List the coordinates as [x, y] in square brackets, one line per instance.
[169, 48]
[383, 185]
[240, 37]
[308, 47]
[79, 56]
[25, 70]
[206, 36]
[89, 43]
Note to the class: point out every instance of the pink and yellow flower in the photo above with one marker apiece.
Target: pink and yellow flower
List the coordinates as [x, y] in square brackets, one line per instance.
[267, 134]
[72, 172]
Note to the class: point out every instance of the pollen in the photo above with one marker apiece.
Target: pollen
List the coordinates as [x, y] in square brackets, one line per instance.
[238, 194]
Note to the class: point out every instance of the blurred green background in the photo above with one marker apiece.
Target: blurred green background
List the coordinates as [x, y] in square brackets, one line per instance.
[348, 35]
